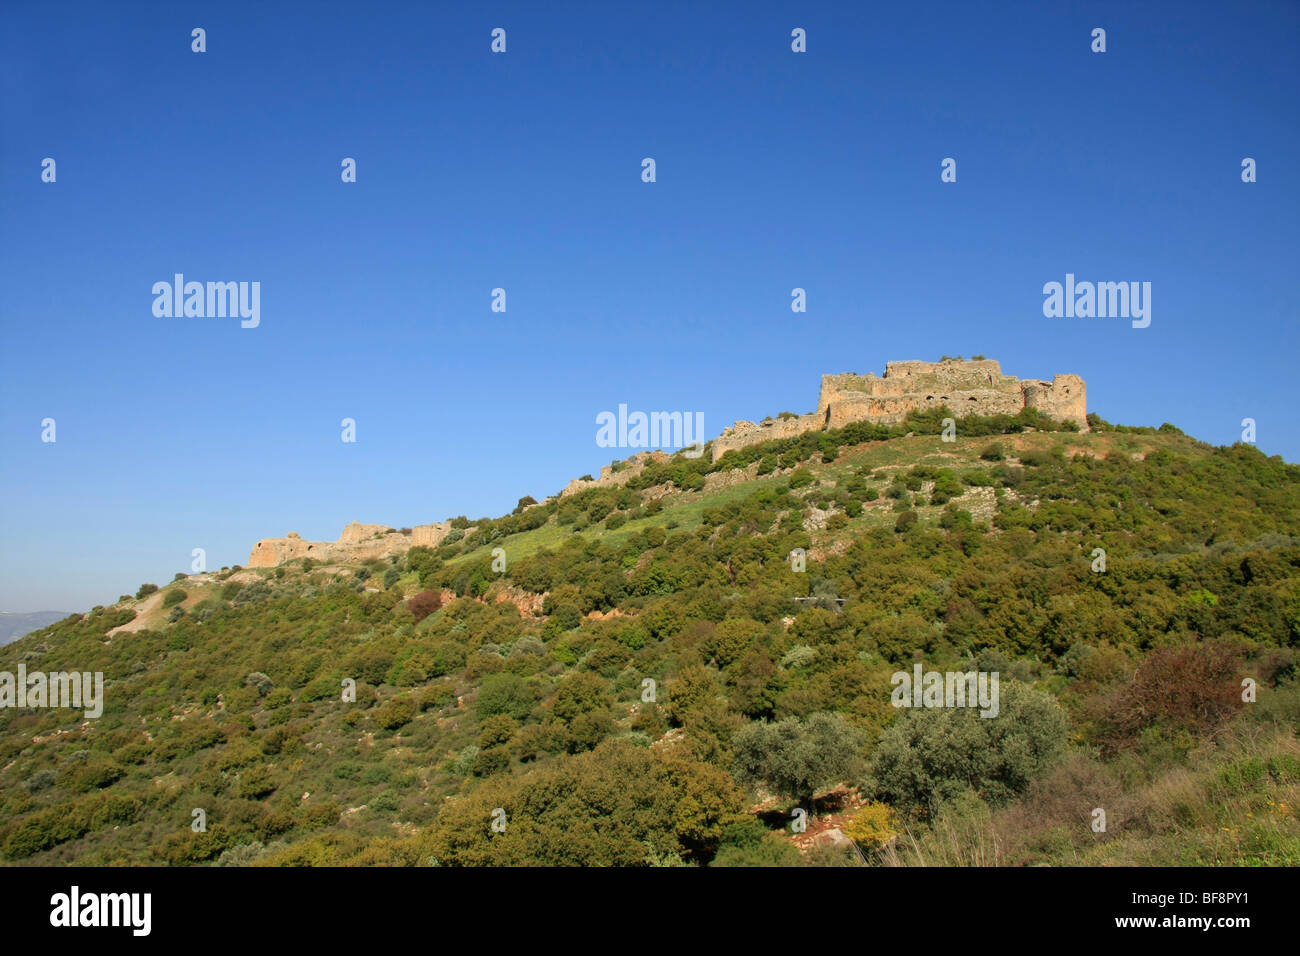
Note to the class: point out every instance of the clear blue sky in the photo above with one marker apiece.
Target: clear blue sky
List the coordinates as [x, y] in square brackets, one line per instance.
[523, 171]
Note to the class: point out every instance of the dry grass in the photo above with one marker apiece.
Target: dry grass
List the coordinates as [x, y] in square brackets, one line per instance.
[1234, 804]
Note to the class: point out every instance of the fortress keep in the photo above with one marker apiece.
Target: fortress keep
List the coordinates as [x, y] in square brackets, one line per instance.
[968, 388]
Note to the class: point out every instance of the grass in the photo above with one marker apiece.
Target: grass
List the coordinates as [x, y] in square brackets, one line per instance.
[1234, 804]
[687, 509]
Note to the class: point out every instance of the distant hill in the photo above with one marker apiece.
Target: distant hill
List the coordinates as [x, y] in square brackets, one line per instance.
[14, 626]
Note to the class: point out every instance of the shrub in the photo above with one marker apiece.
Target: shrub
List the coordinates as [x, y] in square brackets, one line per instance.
[173, 597]
[1191, 688]
[653, 808]
[260, 682]
[874, 825]
[395, 713]
[424, 604]
[801, 655]
[527, 646]
[732, 638]
[801, 478]
[145, 591]
[905, 521]
[933, 754]
[773, 849]
[252, 592]
[504, 693]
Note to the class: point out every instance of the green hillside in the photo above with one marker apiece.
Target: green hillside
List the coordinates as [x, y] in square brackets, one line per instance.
[641, 686]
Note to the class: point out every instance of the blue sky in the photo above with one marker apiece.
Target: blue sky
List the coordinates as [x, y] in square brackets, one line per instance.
[775, 170]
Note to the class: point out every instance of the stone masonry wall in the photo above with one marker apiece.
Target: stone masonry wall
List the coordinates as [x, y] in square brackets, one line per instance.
[968, 388]
[358, 542]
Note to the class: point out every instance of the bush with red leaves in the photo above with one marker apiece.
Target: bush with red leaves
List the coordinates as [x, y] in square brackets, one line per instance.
[1193, 687]
[424, 604]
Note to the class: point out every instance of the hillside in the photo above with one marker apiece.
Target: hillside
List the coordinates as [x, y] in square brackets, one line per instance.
[651, 679]
[14, 625]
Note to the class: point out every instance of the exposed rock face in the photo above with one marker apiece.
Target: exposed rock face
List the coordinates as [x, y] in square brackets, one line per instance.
[358, 542]
[735, 476]
[968, 388]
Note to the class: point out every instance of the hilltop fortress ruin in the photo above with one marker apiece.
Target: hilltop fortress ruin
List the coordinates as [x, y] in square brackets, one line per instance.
[968, 388]
[358, 542]
[977, 387]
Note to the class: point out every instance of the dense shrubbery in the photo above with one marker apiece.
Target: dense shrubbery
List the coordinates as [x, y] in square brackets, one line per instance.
[673, 621]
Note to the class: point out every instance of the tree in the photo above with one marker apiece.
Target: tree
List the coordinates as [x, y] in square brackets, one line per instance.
[796, 758]
[933, 754]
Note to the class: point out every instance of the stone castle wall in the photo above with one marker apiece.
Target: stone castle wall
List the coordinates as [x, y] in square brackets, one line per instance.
[609, 478]
[358, 542]
[968, 388]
